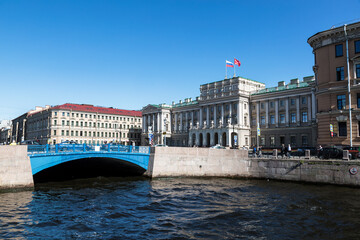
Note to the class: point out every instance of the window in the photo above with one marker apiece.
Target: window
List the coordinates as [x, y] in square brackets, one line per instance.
[358, 128]
[55, 113]
[358, 100]
[281, 103]
[262, 105]
[63, 123]
[339, 73]
[357, 67]
[304, 116]
[292, 140]
[339, 50]
[357, 46]
[72, 133]
[67, 132]
[303, 100]
[72, 123]
[342, 129]
[304, 140]
[55, 122]
[262, 141]
[292, 101]
[54, 132]
[271, 104]
[262, 121]
[272, 141]
[77, 123]
[282, 118]
[63, 113]
[62, 132]
[72, 114]
[293, 117]
[341, 103]
[272, 119]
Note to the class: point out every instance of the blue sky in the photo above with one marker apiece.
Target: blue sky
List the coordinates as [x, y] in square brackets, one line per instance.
[127, 54]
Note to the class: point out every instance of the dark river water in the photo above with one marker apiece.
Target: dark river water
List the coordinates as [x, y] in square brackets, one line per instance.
[180, 208]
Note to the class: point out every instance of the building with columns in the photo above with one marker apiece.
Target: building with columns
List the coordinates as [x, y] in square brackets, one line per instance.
[221, 115]
[337, 77]
[286, 114]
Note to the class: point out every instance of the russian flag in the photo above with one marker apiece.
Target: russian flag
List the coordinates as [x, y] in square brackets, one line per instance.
[229, 64]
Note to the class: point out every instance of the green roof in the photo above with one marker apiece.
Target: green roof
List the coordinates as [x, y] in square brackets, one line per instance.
[282, 88]
[235, 77]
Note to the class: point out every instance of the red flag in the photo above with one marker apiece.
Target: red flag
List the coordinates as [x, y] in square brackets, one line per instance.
[237, 62]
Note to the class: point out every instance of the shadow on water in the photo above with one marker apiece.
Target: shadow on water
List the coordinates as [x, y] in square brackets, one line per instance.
[88, 168]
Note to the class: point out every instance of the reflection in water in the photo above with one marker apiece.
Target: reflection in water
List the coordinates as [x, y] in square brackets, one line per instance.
[180, 208]
[14, 213]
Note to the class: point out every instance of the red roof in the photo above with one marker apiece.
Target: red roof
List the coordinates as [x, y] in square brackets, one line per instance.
[103, 110]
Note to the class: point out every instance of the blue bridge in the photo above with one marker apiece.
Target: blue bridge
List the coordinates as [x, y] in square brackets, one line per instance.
[43, 157]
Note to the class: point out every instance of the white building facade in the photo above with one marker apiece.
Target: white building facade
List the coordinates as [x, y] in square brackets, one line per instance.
[221, 115]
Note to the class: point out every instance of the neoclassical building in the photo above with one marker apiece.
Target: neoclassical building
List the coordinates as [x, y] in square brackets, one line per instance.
[285, 114]
[83, 123]
[221, 115]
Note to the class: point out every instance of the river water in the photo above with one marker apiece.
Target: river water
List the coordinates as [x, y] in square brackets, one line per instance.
[180, 208]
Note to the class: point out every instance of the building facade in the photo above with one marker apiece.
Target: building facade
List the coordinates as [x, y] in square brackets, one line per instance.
[221, 115]
[337, 77]
[285, 114]
[84, 124]
[5, 132]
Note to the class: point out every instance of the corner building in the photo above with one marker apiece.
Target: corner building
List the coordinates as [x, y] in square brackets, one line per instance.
[331, 48]
[221, 115]
[83, 123]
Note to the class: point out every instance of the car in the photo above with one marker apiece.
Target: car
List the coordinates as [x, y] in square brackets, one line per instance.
[29, 142]
[332, 153]
[217, 146]
[67, 145]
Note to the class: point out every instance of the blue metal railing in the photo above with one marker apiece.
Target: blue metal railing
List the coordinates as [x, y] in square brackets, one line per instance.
[64, 148]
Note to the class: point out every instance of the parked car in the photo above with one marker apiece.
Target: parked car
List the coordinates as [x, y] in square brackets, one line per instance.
[218, 146]
[67, 145]
[301, 151]
[29, 142]
[161, 145]
[332, 153]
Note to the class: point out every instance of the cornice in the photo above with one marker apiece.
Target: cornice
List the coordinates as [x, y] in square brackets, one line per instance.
[333, 36]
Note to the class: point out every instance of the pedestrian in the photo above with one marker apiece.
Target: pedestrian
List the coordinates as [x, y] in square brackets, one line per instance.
[254, 151]
[283, 149]
[289, 151]
[320, 151]
[260, 151]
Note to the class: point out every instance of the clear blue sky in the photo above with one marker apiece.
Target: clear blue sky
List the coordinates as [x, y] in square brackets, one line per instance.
[127, 54]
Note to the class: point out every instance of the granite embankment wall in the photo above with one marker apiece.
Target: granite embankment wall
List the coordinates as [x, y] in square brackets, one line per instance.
[15, 168]
[198, 162]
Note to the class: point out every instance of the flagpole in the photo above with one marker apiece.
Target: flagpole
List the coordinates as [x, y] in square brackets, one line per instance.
[234, 69]
[225, 70]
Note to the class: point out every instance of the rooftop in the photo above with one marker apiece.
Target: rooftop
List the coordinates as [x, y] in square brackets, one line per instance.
[97, 109]
[290, 86]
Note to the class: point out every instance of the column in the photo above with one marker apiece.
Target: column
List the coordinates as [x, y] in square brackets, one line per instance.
[287, 112]
[298, 110]
[192, 118]
[309, 109]
[257, 113]
[153, 122]
[222, 114]
[186, 121]
[313, 105]
[158, 118]
[200, 117]
[277, 112]
[207, 117]
[181, 121]
[148, 122]
[240, 115]
[267, 114]
[176, 125]
[230, 112]
[215, 120]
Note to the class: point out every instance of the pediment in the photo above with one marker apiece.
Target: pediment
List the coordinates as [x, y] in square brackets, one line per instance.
[150, 108]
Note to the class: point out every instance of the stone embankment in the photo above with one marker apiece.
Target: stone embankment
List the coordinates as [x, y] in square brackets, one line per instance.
[199, 162]
[15, 168]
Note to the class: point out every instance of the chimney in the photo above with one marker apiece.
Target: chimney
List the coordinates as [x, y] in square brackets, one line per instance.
[294, 81]
[281, 84]
[309, 79]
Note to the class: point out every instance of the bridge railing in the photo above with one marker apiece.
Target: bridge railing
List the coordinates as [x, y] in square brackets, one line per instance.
[63, 148]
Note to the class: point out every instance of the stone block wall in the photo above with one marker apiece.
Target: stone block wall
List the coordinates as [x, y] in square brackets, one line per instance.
[15, 167]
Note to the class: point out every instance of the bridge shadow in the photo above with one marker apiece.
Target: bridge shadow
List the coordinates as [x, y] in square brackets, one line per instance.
[88, 168]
